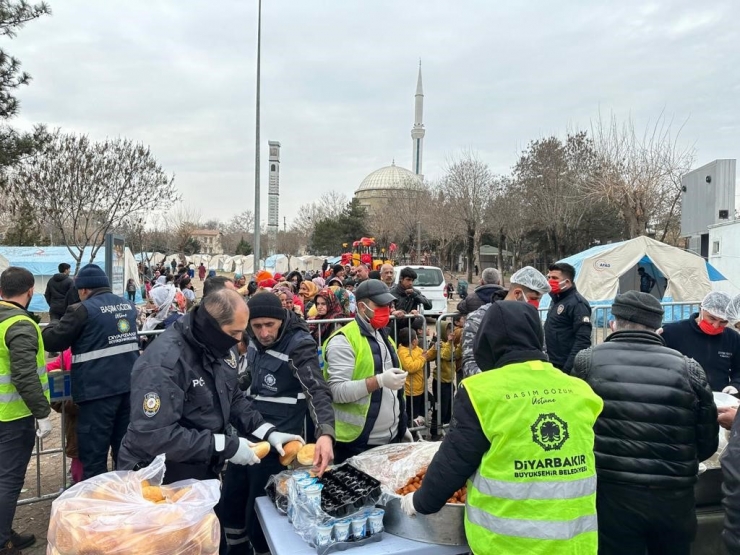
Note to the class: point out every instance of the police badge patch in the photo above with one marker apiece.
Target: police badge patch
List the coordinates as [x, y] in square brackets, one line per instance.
[231, 360]
[151, 404]
[561, 308]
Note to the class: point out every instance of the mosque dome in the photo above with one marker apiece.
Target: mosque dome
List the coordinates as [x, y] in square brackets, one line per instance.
[390, 178]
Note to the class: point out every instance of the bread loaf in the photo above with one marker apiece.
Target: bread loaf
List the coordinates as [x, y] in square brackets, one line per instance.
[306, 454]
[291, 451]
[261, 449]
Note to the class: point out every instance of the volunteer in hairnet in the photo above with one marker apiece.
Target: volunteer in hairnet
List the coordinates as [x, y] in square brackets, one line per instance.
[707, 339]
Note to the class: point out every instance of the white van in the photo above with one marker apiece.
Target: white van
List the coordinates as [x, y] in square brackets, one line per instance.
[430, 281]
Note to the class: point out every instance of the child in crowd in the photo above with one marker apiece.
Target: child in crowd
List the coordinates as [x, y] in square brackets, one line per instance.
[413, 360]
[450, 346]
[64, 362]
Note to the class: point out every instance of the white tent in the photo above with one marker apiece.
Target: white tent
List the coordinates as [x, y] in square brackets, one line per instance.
[312, 263]
[3, 263]
[278, 263]
[217, 262]
[606, 270]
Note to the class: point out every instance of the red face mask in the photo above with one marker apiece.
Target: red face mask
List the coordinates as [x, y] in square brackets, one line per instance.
[381, 317]
[709, 329]
[554, 286]
[534, 302]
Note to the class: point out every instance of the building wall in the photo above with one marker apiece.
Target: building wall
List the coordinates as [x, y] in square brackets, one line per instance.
[702, 201]
[724, 254]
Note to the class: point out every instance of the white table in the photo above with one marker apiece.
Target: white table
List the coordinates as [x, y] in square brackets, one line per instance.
[283, 540]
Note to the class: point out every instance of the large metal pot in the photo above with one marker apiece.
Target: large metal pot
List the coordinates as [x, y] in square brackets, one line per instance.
[444, 528]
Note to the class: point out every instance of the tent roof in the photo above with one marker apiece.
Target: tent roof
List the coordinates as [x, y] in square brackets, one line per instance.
[599, 268]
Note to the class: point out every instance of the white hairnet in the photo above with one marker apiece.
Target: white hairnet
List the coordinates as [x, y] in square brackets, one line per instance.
[532, 279]
[733, 311]
[716, 304]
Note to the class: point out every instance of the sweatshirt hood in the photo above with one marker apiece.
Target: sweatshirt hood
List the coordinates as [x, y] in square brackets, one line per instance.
[510, 332]
[487, 292]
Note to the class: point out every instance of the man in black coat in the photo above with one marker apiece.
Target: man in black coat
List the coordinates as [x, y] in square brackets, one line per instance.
[706, 338]
[408, 300]
[56, 292]
[659, 421]
[568, 324]
[489, 288]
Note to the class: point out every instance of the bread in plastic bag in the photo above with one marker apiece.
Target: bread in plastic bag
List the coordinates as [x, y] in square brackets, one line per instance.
[128, 513]
[395, 464]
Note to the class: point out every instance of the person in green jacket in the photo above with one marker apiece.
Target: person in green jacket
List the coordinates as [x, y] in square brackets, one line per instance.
[24, 398]
[522, 441]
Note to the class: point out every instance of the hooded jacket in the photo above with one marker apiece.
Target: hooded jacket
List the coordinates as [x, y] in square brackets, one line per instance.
[472, 324]
[510, 333]
[56, 293]
[289, 370]
[483, 294]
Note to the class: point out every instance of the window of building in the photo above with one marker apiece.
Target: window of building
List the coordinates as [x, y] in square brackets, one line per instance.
[715, 247]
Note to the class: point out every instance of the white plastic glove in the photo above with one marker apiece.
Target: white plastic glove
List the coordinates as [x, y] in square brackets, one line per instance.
[407, 504]
[278, 439]
[244, 455]
[44, 428]
[393, 379]
[731, 389]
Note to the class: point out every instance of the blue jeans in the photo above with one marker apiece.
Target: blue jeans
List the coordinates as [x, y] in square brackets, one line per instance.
[17, 439]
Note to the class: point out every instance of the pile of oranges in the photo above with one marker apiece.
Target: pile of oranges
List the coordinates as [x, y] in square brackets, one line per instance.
[458, 498]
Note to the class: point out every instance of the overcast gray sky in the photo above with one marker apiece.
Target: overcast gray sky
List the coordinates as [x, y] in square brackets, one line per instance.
[338, 81]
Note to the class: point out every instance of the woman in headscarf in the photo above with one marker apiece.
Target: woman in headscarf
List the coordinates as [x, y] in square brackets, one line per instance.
[319, 282]
[344, 299]
[295, 278]
[307, 291]
[288, 300]
[327, 308]
[165, 310]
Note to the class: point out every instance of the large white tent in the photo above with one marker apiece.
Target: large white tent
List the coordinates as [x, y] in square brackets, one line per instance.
[3, 263]
[43, 263]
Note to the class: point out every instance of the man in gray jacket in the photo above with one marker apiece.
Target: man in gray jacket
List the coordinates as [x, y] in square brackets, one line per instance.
[527, 285]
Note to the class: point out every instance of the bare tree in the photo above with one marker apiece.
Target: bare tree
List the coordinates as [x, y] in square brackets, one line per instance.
[183, 220]
[640, 173]
[87, 188]
[330, 205]
[405, 210]
[468, 187]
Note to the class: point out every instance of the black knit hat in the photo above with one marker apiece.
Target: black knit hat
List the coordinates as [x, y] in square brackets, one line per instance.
[266, 305]
[91, 277]
[640, 308]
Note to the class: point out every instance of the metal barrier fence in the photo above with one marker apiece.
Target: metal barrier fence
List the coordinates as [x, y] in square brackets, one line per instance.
[600, 316]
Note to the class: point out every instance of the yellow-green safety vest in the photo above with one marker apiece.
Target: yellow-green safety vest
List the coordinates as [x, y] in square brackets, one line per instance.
[535, 489]
[12, 406]
[349, 418]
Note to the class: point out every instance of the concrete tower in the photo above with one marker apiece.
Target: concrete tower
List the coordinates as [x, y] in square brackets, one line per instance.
[273, 198]
[417, 132]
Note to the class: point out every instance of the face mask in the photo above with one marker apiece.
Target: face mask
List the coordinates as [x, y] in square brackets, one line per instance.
[379, 317]
[556, 286]
[709, 329]
[534, 302]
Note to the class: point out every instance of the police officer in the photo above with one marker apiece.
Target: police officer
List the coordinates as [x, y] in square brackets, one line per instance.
[286, 386]
[522, 440]
[185, 402]
[101, 330]
[24, 398]
[568, 324]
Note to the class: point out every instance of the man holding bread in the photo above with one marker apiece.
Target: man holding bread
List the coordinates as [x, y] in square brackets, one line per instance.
[364, 374]
[185, 401]
[286, 387]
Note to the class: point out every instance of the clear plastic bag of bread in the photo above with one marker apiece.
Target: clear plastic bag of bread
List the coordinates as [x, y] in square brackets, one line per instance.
[131, 513]
[393, 465]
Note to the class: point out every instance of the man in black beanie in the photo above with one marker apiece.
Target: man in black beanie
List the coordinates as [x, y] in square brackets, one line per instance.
[101, 330]
[287, 386]
[659, 421]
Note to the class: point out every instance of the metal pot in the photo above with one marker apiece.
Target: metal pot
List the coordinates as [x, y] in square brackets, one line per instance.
[444, 528]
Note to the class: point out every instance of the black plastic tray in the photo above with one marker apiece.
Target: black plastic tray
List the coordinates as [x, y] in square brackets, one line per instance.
[342, 546]
[346, 490]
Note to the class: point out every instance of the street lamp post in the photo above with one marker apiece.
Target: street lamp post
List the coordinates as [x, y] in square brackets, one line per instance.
[257, 253]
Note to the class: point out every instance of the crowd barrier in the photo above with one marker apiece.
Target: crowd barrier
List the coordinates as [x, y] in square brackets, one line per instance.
[424, 427]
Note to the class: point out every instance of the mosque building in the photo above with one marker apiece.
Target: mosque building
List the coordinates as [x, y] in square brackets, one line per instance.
[382, 184]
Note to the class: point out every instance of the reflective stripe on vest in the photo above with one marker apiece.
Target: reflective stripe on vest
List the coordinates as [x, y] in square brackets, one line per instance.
[535, 489]
[350, 417]
[107, 352]
[12, 406]
[532, 529]
[280, 400]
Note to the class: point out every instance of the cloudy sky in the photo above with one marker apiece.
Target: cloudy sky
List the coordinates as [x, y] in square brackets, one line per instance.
[338, 81]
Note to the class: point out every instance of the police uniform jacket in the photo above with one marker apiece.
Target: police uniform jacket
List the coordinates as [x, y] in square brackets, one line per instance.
[101, 330]
[287, 382]
[181, 395]
[567, 328]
